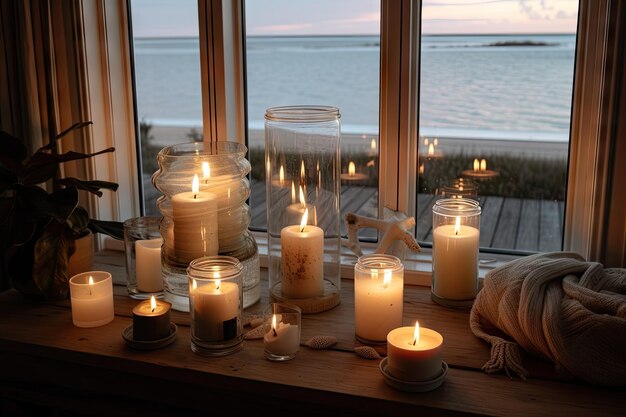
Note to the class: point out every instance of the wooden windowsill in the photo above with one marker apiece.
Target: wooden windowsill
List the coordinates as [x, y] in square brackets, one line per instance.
[45, 360]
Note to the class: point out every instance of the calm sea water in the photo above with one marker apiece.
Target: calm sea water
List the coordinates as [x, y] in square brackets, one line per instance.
[468, 84]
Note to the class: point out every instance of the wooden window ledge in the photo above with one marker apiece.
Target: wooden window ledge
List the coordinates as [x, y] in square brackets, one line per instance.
[47, 362]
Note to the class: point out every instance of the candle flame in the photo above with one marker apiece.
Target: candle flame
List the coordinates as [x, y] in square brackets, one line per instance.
[373, 144]
[293, 192]
[387, 277]
[302, 199]
[436, 142]
[305, 218]
[416, 334]
[195, 185]
[90, 280]
[274, 324]
[152, 303]
[421, 168]
[351, 169]
[206, 170]
[483, 165]
[302, 173]
[281, 175]
[194, 285]
[476, 165]
[431, 150]
[425, 141]
[457, 225]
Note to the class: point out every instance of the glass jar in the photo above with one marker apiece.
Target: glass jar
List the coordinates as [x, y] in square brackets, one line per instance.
[209, 220]
[142, 246]
[302, 173]
[456, 240]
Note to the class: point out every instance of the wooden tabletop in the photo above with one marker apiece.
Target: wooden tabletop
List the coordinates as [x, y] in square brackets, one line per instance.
[47, 361]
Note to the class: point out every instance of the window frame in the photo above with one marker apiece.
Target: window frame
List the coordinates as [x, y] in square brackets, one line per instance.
[590, 212]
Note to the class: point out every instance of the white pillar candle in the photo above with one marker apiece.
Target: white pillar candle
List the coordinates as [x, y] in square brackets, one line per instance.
[455, 261]
[378, 303]
[283, 339]
[215, 310]
[195, 223]
[148, 265]
[91, 296]
[302, 260]
[414, 353]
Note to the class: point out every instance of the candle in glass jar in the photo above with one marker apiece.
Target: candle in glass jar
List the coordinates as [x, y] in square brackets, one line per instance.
[414, 353]
[455, 260]
[148, 265]
[302, 260]
[283, 339]
[215, 309]
[91, 296]
[151, 320]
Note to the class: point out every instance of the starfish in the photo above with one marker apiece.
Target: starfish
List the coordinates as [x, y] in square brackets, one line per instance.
[393, 229]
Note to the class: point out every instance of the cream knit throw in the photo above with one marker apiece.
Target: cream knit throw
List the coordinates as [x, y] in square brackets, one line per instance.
[559, 307]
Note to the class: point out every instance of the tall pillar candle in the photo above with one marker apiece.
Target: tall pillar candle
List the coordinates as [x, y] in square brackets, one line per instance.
[91, 295]
[148, 265]
[378, 297]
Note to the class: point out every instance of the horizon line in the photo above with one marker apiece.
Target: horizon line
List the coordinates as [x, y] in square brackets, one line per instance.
[368, 34]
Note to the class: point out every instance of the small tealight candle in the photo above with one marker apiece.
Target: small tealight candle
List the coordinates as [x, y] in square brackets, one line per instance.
[91, 296]
[151, 320]
[414, 353]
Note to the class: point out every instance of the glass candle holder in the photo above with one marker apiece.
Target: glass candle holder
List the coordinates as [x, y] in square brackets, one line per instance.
[378, 297]
[142, 245]
[302, 149]
[282, 331]
[456, 239]
[460, 188]
[210, 219]
[91, 296]
[215, 304]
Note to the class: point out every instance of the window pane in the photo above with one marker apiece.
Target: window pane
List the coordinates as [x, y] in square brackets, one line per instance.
[167, 81]
[322, 53]
[495, 106]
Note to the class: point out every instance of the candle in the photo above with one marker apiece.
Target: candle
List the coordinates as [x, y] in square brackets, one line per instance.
[296, 209]
[148, 265]
[215, 309]
[483, 165]
[283, 339]
[195, 223]
[91, 296]
[414, 353]
[151, 320]
[476, 165]
[302, 260]
[455, 261]
[352, 175]
[378, 296]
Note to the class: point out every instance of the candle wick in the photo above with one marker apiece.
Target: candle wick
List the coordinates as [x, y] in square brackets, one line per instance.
[155, 309]
[274, 330]
[194, 196]
[414, 340]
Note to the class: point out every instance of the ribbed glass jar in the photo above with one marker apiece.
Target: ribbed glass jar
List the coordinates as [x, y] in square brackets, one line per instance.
[208, 221]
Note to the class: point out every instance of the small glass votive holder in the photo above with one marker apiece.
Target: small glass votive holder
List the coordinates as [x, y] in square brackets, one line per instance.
[215, 305]
[456, 245]
[142, 245]
[282, 331]
[91, 295]
[378, 297]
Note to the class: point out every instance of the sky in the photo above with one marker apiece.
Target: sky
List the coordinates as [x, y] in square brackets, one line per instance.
[157, 18]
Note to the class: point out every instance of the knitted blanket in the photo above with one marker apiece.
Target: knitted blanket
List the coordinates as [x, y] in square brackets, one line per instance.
[559, 307]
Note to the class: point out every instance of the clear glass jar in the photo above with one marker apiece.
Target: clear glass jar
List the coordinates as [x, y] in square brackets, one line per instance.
[302, 173]
[210, 222]
[142, 246]
[215, 305]
[456, 240]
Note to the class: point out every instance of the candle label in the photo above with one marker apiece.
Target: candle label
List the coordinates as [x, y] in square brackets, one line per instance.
[230, 328]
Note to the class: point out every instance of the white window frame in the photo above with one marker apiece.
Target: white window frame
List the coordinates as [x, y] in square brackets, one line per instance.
[586, 228]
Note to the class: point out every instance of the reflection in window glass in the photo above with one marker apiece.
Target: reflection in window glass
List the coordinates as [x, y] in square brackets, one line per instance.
[495, 106]
[167, 81]
[317, 53]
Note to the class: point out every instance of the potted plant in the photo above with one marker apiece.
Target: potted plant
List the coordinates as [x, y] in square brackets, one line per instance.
[39, 226]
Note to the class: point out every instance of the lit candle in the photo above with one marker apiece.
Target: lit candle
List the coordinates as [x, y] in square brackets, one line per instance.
[91, 296]
[151, 320]
[455, 260]
[302, 260]
[148, 264]
[378, 297]
[297, 207]
[431, 150]
[476, 165]
[436, 142]
[351, 169]
[215, 309]
[195, 223]
[283, 339]
[352, 175]
[414, 353]
[483, 165]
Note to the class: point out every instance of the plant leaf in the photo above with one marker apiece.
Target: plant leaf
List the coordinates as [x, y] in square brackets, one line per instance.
[40, 205]
[90, 186]
[78, 220]
[42, 165]
[52, 252]
[12, 148]
[110, 228]
[75, 126]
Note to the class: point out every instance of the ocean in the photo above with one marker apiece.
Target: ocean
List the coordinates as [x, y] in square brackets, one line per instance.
[487, 86]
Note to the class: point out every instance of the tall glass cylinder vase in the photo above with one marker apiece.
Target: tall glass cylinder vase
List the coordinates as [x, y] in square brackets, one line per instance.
[456, 240]
[302, 150]
[205, 189]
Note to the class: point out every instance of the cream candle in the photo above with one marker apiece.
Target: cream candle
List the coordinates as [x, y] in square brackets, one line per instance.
[195, 223]
[414, 353]
[151, 320]
[91, 296]
[283, 339]
[302, 260]
[455, 261]
[215, 309]
[148, 265]
[378, 296]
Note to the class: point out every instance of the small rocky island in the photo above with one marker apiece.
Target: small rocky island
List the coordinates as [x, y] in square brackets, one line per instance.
[521, 43]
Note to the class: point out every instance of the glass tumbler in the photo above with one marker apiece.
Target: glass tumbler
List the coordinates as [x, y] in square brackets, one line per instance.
[142, 246]
[282, 331]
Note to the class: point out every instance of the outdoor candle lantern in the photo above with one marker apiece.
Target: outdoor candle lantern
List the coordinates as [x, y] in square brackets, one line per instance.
[303, 210]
